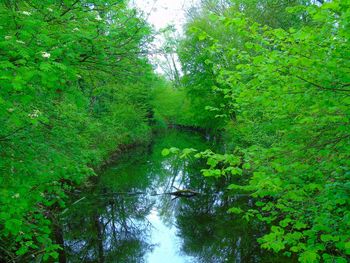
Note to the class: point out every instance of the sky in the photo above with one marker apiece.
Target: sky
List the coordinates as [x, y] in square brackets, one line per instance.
[161, 13]
[165, 12]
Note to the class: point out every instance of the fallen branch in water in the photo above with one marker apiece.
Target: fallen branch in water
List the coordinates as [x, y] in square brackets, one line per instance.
[184, 193]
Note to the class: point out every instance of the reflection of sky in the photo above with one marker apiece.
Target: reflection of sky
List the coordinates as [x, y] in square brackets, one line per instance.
[167, 244]
[163, 235]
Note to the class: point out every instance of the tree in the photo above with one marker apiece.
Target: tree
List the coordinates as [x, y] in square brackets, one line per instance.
[74, 87]
[283, 70]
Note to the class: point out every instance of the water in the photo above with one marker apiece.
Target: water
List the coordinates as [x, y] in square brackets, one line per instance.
[128, 215]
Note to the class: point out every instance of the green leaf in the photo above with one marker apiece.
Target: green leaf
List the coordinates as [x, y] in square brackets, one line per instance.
[234, 187]
[246, 166]
[285, 222]
[202, 36]
[165, 152]
[212, 162]
[309, 257]
[22, 250]
[13, 225]
[259, 203]
[235, 210]
[198, 155]
[300, 225]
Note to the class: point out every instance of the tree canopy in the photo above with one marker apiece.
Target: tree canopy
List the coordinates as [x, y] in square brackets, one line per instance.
[271, 78]
[75, 84]
[277, 73]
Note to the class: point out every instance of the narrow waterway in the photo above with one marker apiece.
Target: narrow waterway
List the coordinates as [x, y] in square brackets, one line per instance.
[128, 215]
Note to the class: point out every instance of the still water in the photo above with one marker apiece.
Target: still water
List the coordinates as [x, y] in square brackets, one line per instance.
[129, 215]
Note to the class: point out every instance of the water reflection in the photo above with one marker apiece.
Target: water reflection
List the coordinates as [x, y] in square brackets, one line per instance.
[129, 215]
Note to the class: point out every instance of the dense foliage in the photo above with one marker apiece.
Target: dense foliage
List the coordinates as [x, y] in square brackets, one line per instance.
[273, 76]
[277, 73]
[175, 106]
[74, 87]
[181, 99]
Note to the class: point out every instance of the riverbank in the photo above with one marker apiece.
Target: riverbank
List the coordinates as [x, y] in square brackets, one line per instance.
[31, 206]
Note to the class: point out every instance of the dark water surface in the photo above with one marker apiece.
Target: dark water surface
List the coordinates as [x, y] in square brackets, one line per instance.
[126, 217]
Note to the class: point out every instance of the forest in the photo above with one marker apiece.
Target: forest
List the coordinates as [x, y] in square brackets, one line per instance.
[268, 80]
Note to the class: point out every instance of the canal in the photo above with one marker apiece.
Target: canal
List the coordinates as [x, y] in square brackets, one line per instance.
[131, 212]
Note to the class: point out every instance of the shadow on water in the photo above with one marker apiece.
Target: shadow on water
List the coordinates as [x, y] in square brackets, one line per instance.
[128, 215]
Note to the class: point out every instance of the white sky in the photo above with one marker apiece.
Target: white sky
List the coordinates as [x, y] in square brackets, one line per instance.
[165, 12]
[160, 14]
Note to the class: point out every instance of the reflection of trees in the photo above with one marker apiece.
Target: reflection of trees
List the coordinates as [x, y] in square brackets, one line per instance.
[111, 231]
[210, 234]
[107, 226]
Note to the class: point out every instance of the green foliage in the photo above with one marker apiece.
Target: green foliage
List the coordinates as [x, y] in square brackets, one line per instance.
[281, 87]
[173, 106]
[74, 87]
[170, 105]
